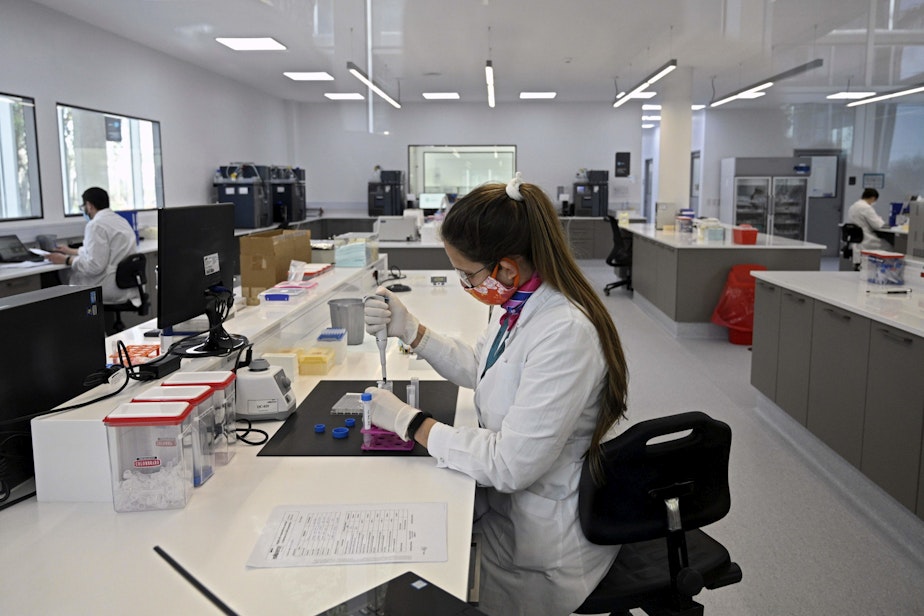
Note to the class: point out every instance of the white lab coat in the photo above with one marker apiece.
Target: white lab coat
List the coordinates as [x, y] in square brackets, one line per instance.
[537, 407]
[863, 215]
[107, 239]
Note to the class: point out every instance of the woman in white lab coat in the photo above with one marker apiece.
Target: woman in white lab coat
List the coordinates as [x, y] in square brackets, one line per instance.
[550, 380]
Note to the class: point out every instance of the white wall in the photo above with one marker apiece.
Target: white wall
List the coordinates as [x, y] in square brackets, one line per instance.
[205, 119]
[553, 141]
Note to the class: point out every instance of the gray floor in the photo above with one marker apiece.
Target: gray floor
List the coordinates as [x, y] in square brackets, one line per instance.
[811, 534]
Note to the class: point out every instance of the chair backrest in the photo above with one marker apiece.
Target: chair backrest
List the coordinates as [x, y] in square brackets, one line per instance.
[621, 254]
[851, 233]
[132, 271]
[628, 507]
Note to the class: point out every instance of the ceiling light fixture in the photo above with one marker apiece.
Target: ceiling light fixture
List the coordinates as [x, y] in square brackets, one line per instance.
[648, 125]
[654, 118]
[345, 96]
[537, 95]
[489, 80]
[887, 95]
[643, 85]
[756, 90]
[849, 95]
[251, 44]
[651, 107]
[309, 76]
[441, 96]
[359, 74]
[697, 107]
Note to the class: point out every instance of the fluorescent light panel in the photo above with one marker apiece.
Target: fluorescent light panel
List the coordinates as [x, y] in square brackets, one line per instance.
[697, 107]
[641, 88]
[651, 107]
[756, 90]
[251, 44]
[654, 118]
[359, 74]
[648, 125]
[537, 95]
[489, 81]
[849, 95]
[309, 76]
[345, 96]
[441, 96]
[887, 95]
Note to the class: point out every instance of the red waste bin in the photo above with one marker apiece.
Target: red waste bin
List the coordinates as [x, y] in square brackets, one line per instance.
[735, 309]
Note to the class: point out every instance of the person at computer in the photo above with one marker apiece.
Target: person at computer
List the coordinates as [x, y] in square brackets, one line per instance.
[550, 380]
[862, 214]
[107, 239]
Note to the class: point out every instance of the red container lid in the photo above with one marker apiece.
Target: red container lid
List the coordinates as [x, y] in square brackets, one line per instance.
[216, 378]
[193, 394]
[149, 414]
[883, 254]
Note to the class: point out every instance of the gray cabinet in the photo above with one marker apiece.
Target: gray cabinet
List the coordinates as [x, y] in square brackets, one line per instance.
[837, 386]
[15, 286]
[765, 344]
[654, 265]
[894, 413]
[589, 238]
[795, 349]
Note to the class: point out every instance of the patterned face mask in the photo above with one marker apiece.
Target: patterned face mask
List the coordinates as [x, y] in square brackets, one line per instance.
[491, 291]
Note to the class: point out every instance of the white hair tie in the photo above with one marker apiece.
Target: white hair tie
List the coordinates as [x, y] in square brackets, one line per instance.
[513, 187]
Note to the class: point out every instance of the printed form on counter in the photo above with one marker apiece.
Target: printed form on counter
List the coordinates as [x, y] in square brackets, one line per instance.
[313, 535]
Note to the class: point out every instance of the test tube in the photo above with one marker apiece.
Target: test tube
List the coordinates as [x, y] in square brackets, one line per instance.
[413, 393]
[387, 385]
[367, 417]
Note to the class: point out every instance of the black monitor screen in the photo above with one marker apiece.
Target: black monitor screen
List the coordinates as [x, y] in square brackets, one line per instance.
[196, 250]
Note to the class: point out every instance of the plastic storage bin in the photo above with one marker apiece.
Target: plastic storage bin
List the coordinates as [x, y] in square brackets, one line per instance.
[744, 234]
[150, 455]
[206, 433]
[224, 391]
[355, 249]
[882, 269]
[334, 338]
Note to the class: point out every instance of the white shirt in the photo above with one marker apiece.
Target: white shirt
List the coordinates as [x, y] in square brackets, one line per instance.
[107, 239]
[862, 214]
[538, 406]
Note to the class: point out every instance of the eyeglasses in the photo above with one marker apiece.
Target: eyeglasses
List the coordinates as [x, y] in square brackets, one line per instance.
[466, 277]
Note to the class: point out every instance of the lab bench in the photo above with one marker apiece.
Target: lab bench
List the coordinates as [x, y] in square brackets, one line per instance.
[846, 365]
[103, 560]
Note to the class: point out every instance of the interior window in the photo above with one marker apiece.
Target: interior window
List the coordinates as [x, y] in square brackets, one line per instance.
[20, 195]
[119, 153]
[456, 169]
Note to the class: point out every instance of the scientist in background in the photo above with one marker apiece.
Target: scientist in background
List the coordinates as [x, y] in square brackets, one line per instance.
[864, 216]
[107, 239]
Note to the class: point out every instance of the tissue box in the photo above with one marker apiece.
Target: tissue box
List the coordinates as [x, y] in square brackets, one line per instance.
[355, 249]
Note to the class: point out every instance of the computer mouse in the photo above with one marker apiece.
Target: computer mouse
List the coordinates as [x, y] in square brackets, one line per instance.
[398, 287]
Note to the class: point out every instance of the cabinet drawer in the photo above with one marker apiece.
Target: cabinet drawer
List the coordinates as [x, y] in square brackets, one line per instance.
[14, 286]
[794, 360]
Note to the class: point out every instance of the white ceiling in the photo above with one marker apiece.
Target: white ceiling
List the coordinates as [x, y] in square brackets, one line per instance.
[583, 49]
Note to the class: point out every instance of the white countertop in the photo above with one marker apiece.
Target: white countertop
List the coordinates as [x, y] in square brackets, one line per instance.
[103, 561]
[676, 239]
[845, 290]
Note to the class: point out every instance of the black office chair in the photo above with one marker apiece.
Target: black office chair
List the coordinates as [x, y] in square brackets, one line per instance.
[654, 499]
[620, 257]
[131, 273]
[851, 236]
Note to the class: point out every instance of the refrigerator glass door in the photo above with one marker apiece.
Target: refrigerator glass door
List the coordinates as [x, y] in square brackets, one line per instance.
[752, 201]
[789, 199]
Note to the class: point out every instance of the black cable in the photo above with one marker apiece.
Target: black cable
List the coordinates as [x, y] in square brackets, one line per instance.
[221, 605]
[394, 273]
[243, 432]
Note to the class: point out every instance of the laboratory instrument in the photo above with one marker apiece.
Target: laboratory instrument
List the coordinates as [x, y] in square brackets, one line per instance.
[264, 392]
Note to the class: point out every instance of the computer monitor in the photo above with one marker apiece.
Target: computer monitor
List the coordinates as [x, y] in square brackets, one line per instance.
[197, 256]
[431, 201]
[53, 339]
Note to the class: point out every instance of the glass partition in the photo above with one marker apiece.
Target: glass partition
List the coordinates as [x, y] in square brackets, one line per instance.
[20, 193]
[119, 153]
[456, 169]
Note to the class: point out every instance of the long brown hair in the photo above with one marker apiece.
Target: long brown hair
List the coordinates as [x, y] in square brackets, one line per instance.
[486, 225]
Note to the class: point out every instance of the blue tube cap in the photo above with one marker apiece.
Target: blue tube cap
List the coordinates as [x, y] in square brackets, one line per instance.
[365, 397]
[349, 422]
[340, 432]
[319, 428]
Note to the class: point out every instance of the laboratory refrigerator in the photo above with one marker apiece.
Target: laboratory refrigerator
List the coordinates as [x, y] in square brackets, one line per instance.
[770, 194]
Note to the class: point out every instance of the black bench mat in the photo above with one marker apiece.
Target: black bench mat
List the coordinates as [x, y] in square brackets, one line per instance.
[297, 437]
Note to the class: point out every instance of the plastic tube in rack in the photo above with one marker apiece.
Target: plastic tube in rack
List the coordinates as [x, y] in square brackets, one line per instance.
[367, 416]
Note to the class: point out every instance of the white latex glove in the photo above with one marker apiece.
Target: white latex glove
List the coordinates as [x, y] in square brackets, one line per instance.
[391, 315]
[390, 412]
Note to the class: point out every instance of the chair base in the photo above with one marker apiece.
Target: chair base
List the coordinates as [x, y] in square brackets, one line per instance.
[640, 579]
[626, 282]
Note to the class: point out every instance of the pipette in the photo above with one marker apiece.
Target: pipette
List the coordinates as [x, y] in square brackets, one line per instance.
[381, 340]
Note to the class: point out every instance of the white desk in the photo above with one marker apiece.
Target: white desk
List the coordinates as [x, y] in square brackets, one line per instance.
[83, 558]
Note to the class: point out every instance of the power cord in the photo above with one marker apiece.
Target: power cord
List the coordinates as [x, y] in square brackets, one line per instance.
[242, 433]
[394, 273]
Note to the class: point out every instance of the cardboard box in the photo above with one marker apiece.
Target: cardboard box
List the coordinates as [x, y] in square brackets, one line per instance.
[265, 257]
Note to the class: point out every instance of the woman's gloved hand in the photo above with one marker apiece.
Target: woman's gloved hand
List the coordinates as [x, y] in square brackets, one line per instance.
[390, 412]
[390, 314]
